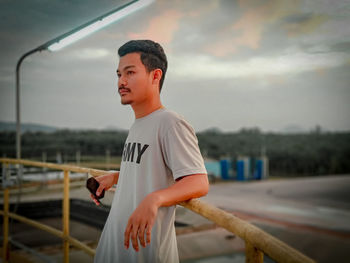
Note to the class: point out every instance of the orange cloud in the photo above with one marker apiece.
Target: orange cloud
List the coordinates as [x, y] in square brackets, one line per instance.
[204, 9]
[248, 30]
[161, 28]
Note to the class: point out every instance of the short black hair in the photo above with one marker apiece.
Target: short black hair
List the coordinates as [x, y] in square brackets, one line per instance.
[151, 53]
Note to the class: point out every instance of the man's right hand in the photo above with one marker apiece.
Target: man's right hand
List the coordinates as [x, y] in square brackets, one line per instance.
[106, 181]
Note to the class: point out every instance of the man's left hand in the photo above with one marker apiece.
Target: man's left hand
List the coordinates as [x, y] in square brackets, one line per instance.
[141, 221]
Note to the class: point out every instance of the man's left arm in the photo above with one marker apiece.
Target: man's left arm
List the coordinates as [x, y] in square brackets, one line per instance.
[142, 219]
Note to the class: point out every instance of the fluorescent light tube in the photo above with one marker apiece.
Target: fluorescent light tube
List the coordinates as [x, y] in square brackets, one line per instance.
[97, 25]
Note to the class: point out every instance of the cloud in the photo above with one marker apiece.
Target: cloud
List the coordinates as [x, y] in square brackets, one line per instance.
[247, 31]
[305, 26]
[339, 8]
[204, 9]
[161, 28]
[292, 62]
[90, 53]
[332, 32]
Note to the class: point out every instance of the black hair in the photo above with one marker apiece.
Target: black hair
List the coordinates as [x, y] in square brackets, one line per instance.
[152, 55]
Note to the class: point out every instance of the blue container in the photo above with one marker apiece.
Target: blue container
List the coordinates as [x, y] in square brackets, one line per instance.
[225, 167]
[259, 169]
[240, 170]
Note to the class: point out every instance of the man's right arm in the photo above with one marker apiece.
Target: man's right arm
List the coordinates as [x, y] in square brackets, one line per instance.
[106, 181]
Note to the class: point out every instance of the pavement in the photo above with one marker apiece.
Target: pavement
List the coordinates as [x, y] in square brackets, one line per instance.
[321, 202]
[310, 214]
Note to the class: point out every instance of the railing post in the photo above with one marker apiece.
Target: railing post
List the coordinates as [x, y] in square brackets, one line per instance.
[6, 225]
[252, 254]
[5, 244]
[66, 217]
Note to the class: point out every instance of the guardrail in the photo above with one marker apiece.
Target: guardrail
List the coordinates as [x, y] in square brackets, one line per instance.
[257, 241]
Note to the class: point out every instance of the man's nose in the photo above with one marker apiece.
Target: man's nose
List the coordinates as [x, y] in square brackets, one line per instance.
[122, 82]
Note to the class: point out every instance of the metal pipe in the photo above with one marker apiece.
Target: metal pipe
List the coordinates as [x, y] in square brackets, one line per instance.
[65, 217]
[252, 254]
[52, 231]
[32, 251]
[256, 239]
[71, 168]
[18, 101]
[6, 225]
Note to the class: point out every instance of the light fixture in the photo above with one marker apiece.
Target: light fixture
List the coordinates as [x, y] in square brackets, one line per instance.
[67, 39]
[96, 25]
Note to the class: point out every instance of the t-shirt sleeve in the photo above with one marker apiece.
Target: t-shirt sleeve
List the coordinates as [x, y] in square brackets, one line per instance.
[181, 152]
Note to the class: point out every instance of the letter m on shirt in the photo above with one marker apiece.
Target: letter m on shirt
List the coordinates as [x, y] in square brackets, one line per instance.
[129, 151]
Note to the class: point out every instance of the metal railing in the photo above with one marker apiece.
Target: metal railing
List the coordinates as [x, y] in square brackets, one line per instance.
[256, 240]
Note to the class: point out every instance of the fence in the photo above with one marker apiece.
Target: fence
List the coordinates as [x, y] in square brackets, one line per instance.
[257, 241]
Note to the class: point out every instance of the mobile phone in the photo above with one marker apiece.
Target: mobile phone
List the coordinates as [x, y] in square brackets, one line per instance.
[92, 184]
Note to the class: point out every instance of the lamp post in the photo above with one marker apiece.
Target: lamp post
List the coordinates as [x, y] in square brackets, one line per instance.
[67, 39]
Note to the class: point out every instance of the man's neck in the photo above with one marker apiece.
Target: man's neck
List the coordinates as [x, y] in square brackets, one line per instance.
[144, 109]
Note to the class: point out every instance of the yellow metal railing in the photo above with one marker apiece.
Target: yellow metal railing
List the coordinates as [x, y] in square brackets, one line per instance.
[257, 241]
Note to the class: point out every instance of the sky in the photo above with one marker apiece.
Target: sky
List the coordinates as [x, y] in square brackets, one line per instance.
[273, 64]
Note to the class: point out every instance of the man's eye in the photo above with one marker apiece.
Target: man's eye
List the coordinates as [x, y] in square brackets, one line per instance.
[130, 72]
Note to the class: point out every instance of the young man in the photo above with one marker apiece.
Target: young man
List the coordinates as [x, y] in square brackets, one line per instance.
[161, 165]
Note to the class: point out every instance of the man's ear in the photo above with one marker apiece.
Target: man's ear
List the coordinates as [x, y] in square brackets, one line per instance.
[157, 75]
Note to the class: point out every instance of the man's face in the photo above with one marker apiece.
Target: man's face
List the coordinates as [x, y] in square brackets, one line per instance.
[134, 82]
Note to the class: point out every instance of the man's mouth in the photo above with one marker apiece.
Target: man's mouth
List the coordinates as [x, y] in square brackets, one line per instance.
[123, 91]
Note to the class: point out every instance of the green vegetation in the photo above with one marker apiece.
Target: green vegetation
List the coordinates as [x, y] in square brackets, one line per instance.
[313, 153]
[67, 143]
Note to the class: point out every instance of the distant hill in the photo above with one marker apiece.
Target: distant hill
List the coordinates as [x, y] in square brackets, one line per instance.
[25, 127]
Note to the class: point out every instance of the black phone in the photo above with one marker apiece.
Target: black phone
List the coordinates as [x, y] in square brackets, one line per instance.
[92, 184]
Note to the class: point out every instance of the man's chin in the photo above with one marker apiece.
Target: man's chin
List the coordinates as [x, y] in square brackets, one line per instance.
[125, 102]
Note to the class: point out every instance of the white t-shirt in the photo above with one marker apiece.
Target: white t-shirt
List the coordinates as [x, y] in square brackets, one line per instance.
[160, 148]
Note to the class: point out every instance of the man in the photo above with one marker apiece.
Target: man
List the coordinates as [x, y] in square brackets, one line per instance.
[161, 165]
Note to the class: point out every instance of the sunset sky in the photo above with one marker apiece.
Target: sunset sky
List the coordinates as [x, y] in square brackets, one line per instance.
[277, 65]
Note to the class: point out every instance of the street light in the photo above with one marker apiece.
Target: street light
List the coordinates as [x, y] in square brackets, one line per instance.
[67, 39]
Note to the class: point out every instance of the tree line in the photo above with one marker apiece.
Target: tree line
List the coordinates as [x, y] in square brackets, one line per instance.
[312, 153]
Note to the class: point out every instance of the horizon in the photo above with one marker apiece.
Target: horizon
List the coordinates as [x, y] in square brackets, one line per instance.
[6, 126]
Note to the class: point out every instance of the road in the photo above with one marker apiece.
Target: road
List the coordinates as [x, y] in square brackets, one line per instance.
[320, 201]
[310, 214]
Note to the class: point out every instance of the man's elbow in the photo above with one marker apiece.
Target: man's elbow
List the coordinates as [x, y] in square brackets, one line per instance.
[204, 186]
